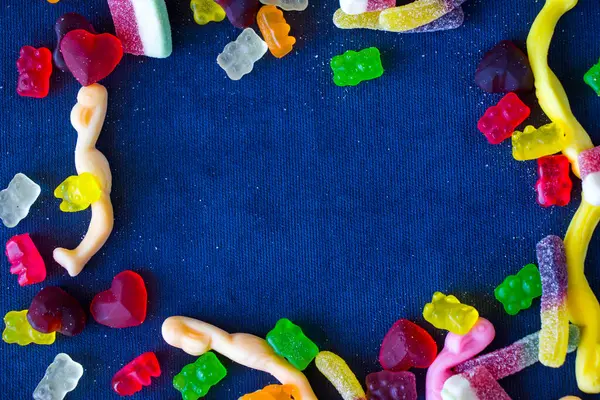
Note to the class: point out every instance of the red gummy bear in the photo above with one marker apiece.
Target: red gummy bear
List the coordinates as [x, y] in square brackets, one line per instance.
[407, 345]
[25, 260]
[500, 121]
[554, 185]
[124, 304]
[90, 57]
[131, 378]
[35, 67]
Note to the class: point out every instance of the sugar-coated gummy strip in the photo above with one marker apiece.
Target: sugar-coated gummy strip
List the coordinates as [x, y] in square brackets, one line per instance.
[335, 369]
[589, 165]
[415, 14]
[475, 384]
[196, 338]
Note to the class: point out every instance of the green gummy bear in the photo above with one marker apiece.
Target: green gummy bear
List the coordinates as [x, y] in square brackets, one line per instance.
[196, 379]
[592, 78]
[351, 68]
[288, 340]
[517, 291]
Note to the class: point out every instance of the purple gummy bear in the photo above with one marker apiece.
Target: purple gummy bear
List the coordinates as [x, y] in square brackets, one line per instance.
[241, 13]
[65, 24]
[387, 385]
[505, 68]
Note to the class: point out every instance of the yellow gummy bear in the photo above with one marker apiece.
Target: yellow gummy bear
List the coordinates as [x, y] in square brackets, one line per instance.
[446, 312]
[20, 332]
[335, 369]
[536, 143]
[78, 192]
[413, 15]
[206, 11]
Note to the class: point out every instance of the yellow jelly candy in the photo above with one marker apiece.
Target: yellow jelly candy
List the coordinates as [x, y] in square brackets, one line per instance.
[368, 20]
[446, 312]
[413, 15]
[206, 11]
[534, 143]
[78, 192]
[20, 332]
[335, 369]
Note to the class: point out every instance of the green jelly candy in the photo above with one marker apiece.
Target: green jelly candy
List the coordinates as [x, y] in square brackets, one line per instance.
[196, 379]
[592, 78]
[288, 340]
[517, 291]
[351, 68]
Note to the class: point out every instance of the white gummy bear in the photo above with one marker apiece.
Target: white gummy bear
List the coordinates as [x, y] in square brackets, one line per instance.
[61, 377]
[17, 198]
[458, 388]
[238, 57]
[591, 188]
[288, 5]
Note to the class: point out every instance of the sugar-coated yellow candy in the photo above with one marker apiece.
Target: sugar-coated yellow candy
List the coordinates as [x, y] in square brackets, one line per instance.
[78, 192]
[446, 312]
[534, 143]
[414, 15]
[368, 20]
[19, 331]
[335, 369]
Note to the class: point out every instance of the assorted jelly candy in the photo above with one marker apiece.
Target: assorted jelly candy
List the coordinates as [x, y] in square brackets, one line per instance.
[273, 392]
[516, 357]
[65, 24]
[239, 56]
[241, 13]
[17, 199]
[536, 143]
[500, 121]
[475, 384]
[288, 5]
[406, 345]
[387, 385]
[54, 310]
[78, 192]
[90, 57]
[143, 27]
[195, 380]
[288, 340]
[138, 373]
[354, 7]
[592, 78]
[35, 67]
[124, 304]
[415, 14]
[351, 68]
[19, 331]
[206, 11]
[275, 30]
[335, 369]
[554, 183]
[504, 68]
[61, 378]
[25, 260]
[589, 168]
[517, 291]
[446, 312]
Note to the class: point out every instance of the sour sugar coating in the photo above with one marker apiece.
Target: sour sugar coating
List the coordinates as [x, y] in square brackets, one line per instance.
[554, 335]
[388, 385]
[61, 378]
[54, 310]
[35, 68]
[238, 57]
[78, 192]
[288, 340]
[273, 392]
[536, 143]
[138, 373]
[589, 165]
[517, 292]
[352, 68]
[355, 7]
[516, 357]
[554, 184]
[454, 19]
[447, 312]
[206, 11]
[406, 345]
[143, 27]
[65, 24]
[196, 379]
[475, 384]
[500, 121]
[19, 331]
[416, 14]
[503, 69]
[25, 260]
[288, 5]
[275, 30]
[335, 369]
[241, 13]
[17, 199]
[592, 78]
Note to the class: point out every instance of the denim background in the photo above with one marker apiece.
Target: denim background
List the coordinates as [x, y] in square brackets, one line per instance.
[239, 203]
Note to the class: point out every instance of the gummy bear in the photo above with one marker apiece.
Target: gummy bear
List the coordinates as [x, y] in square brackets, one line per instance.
[517, 291]
[25, 260]
[134, 376]
[504, 68]
[387, 385]
[273, 392]
[475, 384]
[335, 369]
[53, 309]
[407, 345]
[19, 331]
[241, 13]
[78, 192]
[288, 340]
[288, 5]
[35, 67]
[195, 380]
[500, 121]
[592, 78]
[536, 143]
[239, 56]
[65, 24]
[351, 68]
[446, 312]
[554, 183]
[589, 167]
[61, 378]
[355, 7]
[206, 11]
[275, 30]
[17, 199]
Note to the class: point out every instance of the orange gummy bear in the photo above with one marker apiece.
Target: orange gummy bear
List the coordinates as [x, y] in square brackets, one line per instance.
[275, 30]
[273, 392]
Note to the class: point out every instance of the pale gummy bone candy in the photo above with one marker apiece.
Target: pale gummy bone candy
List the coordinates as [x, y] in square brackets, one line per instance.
[589, 165]
[87, 117]
[475, 384]
[415, 14]
[61, 378]
[288, 5]
[196, 338]
[17, 199]
[239, 56]
[354, 7]
[335, 369]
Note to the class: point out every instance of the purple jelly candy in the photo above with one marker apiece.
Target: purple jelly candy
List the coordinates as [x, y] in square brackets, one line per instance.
[387, 385]
[505, 68]
[241, 13]
[65, 24]
[54, 310]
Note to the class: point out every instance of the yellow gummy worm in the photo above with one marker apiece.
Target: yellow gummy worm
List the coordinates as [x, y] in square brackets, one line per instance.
[412, 15]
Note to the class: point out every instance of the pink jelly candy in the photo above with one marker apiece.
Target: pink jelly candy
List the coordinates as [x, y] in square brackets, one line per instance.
[500, 121]
[388, 385]
[407, 345]
[134, 376]
[25, 260]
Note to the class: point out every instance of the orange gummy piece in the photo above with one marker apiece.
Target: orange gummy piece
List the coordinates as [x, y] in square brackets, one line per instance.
[275, 30]
[273, 392]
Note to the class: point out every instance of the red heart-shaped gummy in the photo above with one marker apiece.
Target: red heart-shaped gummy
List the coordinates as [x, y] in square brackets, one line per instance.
[407, 345]
[124, 304]
[90, 57]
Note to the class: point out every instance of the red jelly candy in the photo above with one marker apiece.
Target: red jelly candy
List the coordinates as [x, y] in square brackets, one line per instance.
[124, 304]
[500, 121]
[554, 185]
[65, 24]
[407, 345]
[505, 68]
[54, 310]
[131, 378]
[387, 385]
[35, 67]
[90, 57]
[25, 260]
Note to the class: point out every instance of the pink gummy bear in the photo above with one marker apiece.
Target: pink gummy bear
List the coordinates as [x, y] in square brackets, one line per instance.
[25, 260]
[457, 349]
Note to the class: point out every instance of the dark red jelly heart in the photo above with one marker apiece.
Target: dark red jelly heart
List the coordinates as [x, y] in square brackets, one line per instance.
[54, 310]
[407, 345]
[505, 68]
[65, 24]
[90, 57]
[124, 304]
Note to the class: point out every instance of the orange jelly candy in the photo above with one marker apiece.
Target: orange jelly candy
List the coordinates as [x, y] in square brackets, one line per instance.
[275, 30]
[273, 392]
